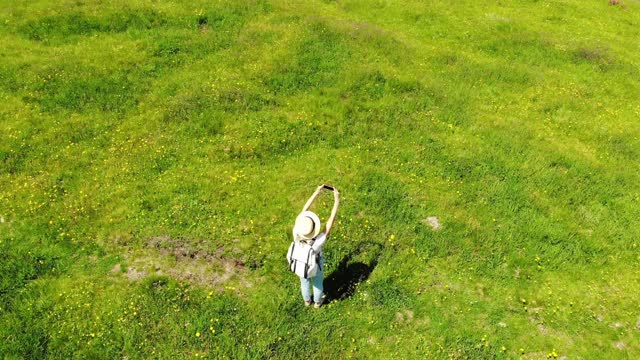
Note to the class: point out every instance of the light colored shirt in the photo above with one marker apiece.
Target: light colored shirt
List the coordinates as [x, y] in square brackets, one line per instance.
[317, 244]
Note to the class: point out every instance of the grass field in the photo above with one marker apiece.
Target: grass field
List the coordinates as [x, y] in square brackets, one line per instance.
[154, 155]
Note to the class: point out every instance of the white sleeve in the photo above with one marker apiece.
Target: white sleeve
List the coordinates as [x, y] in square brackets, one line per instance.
[317, 245]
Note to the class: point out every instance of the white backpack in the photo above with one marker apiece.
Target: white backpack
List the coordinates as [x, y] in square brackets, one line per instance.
[302, 259]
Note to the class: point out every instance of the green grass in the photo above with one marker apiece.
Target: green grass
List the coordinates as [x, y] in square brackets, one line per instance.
[153, 157]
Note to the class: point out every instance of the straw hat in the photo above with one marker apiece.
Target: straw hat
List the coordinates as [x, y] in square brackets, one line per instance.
[307, 225]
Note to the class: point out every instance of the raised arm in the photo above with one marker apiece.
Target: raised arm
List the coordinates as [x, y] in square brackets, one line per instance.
[313, 198]
[334, 211]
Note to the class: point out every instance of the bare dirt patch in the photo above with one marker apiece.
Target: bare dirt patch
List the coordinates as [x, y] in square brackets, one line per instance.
[542, 329]
[134, 274]
[433, 222]
[616, 3]
[406, 315]
[116, 269]
[185, 261]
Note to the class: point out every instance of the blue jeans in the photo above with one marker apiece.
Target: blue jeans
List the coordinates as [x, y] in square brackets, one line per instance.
[318, 289]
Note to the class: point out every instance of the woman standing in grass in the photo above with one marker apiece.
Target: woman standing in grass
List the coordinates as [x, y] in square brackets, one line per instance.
[307, 230]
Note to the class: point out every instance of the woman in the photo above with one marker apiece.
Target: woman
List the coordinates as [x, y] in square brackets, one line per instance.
[308, 229]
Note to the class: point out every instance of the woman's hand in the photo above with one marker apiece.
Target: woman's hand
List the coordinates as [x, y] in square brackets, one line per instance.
[328, 187]
[336, 196]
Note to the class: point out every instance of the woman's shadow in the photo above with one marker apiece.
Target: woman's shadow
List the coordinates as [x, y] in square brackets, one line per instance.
[342, 282]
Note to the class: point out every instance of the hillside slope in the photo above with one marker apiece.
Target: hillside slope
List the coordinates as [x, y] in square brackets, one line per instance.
[154, 155]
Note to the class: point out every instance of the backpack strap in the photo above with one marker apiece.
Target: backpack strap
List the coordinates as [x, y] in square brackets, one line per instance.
[293, 247]
[306, 266]
[291, 259]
